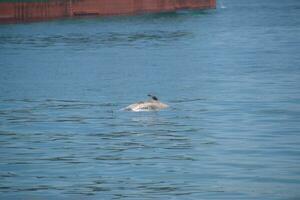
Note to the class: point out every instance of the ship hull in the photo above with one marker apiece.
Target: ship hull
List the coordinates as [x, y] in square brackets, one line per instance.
[20, 11]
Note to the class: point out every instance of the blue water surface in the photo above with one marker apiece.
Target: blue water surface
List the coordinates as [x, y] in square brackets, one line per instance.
[231, 77]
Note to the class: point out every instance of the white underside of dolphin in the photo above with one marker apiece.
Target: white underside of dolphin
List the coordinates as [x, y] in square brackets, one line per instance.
[144, 106]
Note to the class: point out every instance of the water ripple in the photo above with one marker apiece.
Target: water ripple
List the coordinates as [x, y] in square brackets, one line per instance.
[97, 40]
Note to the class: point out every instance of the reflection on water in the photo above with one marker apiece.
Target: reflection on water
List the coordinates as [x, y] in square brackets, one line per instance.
[95, 40]
[230, 76]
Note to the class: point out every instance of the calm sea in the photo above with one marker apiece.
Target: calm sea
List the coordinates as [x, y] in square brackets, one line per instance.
[231, 77]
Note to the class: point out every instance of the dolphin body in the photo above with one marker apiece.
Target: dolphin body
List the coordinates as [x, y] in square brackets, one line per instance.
[152, 104]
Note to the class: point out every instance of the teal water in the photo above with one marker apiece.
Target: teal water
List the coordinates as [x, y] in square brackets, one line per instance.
[231, 77]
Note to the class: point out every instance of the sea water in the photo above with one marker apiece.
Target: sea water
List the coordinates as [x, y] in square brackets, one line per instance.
[231, 77]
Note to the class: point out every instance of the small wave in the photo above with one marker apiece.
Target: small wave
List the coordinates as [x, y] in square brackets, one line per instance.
[187, 100]
[36, 188]
[70, 119]
[8, 174]
[7, 133]
[67, 159]
[97, 39]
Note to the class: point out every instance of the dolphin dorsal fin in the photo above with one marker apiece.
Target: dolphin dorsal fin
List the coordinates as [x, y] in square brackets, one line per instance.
[153, 97]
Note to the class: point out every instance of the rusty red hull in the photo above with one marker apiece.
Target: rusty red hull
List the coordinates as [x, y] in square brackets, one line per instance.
[31, 11]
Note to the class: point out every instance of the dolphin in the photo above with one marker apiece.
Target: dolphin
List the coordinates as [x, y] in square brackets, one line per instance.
[153, 104]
